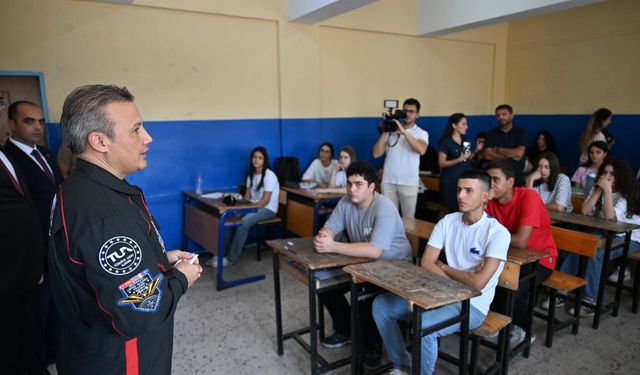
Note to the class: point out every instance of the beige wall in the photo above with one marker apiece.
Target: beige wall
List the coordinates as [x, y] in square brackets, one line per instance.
[576, 60]
[241, 59]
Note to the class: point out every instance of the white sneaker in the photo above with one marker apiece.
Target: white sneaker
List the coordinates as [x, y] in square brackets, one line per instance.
[545, 304]
[397, 371]
[213, 262]
[614, 276]
[517, 336]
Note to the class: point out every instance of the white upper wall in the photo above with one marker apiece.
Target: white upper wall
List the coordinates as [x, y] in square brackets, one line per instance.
[437, 17]
[314, 11]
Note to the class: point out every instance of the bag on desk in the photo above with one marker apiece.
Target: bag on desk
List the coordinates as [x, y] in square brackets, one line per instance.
[288, 170]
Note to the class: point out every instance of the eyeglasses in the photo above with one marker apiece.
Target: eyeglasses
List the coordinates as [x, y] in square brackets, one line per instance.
[411, 111]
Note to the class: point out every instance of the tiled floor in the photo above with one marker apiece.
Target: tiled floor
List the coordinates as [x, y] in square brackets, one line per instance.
[233, 332]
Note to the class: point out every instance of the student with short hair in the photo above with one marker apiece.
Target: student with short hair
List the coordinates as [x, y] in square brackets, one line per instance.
[374, 229]
[553, 187]
[475, 246]
[524, 214]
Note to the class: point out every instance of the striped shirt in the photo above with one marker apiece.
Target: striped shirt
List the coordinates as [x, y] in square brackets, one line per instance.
[561, 193]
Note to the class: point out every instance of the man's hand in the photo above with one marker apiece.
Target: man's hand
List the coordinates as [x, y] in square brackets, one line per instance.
[176, 255]
[323, 242]
[401, 128]
[191, 271]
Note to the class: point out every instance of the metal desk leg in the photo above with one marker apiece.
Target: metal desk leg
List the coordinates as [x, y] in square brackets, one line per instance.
[603, 280]
[531, 302]
[464, 338]
[221, 283]
[623, 265]
[416, 350]
[276, 289]
[355, 339]
[313, 328]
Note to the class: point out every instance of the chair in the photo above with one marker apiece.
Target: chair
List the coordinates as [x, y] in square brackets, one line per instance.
[584, 245]
[278, 219]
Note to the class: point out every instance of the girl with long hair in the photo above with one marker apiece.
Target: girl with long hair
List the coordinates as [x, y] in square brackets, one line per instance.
[598, 152]
[452, 159]
[553, 187]
[262, 189]
[599, 120]
[614, 197]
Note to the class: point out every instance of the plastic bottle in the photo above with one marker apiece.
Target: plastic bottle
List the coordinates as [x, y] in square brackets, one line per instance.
[589, 181]
[199, 181]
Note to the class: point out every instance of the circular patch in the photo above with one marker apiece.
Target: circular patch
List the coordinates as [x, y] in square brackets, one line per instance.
[120, 255]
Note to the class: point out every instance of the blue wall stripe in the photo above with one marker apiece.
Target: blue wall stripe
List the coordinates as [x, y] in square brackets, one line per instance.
[219, 149]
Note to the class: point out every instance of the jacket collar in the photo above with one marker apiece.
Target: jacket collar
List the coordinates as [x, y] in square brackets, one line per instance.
[106, 178]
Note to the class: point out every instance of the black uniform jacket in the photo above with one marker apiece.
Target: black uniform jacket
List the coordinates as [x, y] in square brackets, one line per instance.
[111, 278]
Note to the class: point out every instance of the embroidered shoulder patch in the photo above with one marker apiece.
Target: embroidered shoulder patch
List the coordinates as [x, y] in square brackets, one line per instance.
[142, 292]
[120, 255]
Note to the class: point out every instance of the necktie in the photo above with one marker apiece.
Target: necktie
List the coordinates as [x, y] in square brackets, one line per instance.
[43, 164]
[13, 180]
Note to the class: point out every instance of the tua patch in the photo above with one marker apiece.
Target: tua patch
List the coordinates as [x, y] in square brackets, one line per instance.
[142, 292]
[120, 256]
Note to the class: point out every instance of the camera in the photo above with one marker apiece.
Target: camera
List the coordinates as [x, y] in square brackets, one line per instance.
[388, 125]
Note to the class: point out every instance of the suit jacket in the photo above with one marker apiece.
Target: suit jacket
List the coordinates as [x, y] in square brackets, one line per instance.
[40, 187]
[21, 247]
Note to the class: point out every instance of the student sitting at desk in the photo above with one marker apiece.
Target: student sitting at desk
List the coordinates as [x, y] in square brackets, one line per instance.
[476, 248]
[263, 189]
[614, 197]
[339, 176]
[321, 168]
[522, 212]
[598, 151]
[553, 187]
[375, 230]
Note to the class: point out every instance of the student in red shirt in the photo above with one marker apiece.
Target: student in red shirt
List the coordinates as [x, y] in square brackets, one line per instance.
[524, 214]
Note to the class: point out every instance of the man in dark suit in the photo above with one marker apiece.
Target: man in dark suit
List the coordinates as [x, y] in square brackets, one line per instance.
[42, 178]
[23, 253]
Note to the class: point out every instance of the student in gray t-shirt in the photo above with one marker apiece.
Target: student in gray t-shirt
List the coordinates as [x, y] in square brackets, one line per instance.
[373, 227]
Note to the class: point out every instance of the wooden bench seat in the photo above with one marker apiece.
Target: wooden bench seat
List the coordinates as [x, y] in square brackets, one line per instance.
[492, 325]
[563, 282]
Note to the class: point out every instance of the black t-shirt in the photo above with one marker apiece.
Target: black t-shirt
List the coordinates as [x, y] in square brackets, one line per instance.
[515, 137]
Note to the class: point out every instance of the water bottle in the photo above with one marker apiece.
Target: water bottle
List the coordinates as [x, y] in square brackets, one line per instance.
[589, 182]
[199, 184]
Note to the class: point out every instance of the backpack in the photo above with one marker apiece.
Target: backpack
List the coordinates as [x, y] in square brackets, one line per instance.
[288, 170]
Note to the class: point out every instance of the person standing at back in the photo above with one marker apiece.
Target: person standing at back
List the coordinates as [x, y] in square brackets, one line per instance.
[403, 148]
[507, 142]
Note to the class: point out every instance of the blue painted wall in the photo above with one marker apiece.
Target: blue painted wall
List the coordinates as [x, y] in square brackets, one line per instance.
[220, 150]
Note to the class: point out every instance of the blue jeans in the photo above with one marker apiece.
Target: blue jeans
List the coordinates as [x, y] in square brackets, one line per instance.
[234, 247]
[389, 308]
[594, 267]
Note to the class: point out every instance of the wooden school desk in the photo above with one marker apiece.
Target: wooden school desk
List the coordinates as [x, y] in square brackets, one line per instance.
[204, 221]
[611, 228]
[423, 290]
[297, 257]
[303, 209]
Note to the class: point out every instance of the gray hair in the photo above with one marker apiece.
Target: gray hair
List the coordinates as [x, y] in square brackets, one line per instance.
[83, 113]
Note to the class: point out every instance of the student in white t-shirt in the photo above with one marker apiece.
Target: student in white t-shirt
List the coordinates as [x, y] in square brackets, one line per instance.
[321, 168]
[475, 246]
[339, 176]
[262, 189]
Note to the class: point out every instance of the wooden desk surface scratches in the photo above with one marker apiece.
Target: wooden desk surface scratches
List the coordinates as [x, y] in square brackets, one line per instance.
[592, 221]
[412, 283]
[311, 194]
[302, 252]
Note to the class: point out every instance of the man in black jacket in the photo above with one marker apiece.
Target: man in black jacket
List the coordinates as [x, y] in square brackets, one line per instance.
[112, 278]
[23, 252]
[42, 178]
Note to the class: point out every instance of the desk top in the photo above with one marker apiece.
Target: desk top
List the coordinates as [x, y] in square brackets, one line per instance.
[592, 221]
[218, 204]
[413, 283]
[312, 194]
[301, 250]
[419, 228]
[524, 256]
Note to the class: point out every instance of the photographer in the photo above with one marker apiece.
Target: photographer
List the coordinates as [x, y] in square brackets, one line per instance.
[401, 166]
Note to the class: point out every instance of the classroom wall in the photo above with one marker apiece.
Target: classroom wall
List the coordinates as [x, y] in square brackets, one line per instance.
[563, 66]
